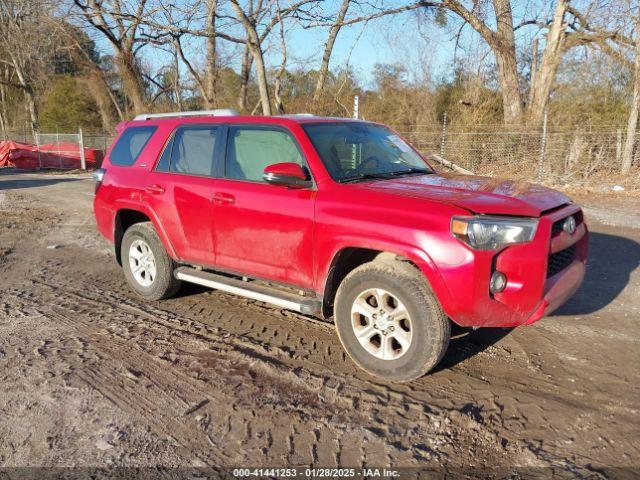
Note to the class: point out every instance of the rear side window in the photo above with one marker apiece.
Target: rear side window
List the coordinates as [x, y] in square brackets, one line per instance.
[192, 150]
[130, 145]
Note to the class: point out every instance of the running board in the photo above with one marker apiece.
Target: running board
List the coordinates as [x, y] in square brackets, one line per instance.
[298, 303]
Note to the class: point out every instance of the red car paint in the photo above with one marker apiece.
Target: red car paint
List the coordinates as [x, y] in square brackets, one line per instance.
[294, 235]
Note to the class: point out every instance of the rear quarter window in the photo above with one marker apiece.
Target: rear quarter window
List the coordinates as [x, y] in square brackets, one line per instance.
[130, 145]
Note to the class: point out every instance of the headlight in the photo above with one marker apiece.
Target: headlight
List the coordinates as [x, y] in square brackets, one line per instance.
[493, 233]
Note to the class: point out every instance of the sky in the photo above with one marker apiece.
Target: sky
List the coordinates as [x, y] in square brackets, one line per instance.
[420, 46]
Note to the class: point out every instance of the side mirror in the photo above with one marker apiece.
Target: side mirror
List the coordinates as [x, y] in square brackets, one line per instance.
[287, 174]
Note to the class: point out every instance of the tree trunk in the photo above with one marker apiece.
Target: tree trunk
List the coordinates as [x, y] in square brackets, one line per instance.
[534, 68]
[98, 89]
[328, 49]
[504, 49]
[261, 77]
[632, 123]
[3, 126]
[132, 80]
[3, 110]
[211, 67]
[545, 75]
[245, 74]
[30, 105]
[177, 91]
[255, 48]
[29, 96]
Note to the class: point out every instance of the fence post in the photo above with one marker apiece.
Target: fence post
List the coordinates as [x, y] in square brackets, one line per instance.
[619, 146]
[83, 162]
[37, 140]
[58, 145]
[543, 148]
[443, 135]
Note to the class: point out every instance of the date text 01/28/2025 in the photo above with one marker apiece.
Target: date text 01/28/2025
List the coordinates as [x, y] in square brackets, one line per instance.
[316, 473]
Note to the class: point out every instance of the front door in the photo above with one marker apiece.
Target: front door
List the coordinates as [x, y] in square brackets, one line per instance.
[262, 230]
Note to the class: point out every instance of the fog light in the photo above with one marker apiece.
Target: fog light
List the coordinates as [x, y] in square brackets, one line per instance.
[498, 282]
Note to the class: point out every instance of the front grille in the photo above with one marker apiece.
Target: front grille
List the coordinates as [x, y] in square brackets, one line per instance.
[560, 260]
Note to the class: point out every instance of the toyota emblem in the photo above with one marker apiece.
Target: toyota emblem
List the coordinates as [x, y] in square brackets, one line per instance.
[569, 225]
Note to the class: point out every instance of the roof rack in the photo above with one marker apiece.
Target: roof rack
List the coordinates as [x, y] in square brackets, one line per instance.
[220, 112]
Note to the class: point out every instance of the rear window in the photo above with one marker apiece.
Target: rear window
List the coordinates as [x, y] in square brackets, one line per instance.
[130, 145]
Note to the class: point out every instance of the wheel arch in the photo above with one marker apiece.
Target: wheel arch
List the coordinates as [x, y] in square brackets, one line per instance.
[350, 257]
[126, 217]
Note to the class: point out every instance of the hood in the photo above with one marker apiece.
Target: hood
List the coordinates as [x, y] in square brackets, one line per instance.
[482, 195]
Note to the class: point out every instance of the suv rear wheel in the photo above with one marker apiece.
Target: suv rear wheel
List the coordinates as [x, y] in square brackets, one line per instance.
[389, 321]
[147, 266]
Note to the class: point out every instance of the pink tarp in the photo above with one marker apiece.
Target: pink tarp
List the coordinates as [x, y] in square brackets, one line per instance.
[52, 155]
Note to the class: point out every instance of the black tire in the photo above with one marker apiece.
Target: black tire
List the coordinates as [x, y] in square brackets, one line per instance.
[431, 329]
[164, 285]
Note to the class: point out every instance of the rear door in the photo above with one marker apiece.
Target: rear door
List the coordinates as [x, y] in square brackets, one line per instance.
[179, 190]
[262, 230]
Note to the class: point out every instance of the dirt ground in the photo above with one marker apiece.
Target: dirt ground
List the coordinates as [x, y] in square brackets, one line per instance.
[90, 376]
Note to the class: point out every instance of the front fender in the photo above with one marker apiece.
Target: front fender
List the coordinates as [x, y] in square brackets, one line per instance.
[416, 255]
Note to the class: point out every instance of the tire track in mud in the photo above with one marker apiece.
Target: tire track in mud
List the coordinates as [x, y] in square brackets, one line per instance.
[379, 400]
[279, 386]
[296, 393]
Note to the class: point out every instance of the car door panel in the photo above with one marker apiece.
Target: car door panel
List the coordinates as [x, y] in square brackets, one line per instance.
[267, 232]
[263, 230]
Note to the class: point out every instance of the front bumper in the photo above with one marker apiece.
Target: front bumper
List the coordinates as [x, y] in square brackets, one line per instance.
[535, 285]
[559, 289]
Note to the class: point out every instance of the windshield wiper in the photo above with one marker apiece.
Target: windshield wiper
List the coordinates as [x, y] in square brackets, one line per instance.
[385, 175]
[365, 176]
[411, 171]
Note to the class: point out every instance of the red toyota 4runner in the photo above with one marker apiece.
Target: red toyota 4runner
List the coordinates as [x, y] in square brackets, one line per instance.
[335, 217]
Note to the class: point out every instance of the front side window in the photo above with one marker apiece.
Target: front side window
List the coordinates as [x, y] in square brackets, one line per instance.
[355, 150]
[130, 145]
[250, 149]
[192, 151]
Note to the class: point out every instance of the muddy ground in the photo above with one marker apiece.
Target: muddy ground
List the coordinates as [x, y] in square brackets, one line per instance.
[90, 376]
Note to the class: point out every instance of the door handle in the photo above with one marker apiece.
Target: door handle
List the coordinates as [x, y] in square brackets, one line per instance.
[154, 189]
[220, 198]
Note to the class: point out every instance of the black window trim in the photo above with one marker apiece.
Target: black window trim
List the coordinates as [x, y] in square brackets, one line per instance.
[220, 136]
[262, 126]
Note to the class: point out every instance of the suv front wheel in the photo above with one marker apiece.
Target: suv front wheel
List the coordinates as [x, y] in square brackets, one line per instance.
[147, 266]
[389, 321]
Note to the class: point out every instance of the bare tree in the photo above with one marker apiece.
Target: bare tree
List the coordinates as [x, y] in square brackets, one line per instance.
[118, 21]
[501, 40]
[257, 19]
[609, 31]
[206, 81]
[211, 62]
[328, 49]
[245, 75]
[96, 73]
[277, 86]
[21, 23]
[543, 79]
[254, 45]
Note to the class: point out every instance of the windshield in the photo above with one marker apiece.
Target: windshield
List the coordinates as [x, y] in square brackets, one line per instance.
[354, 150]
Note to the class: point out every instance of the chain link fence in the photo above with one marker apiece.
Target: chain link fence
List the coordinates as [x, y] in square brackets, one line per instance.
[62, 151]
[587, 156]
